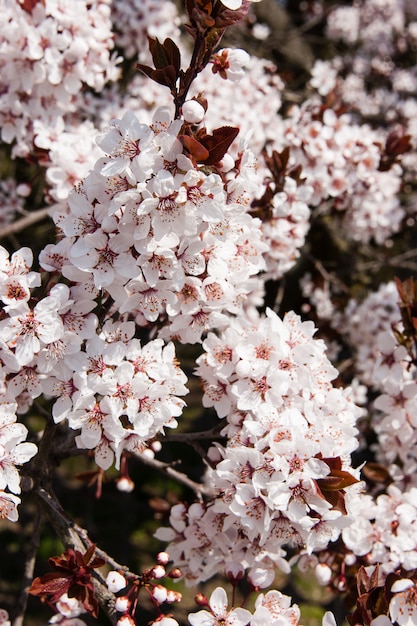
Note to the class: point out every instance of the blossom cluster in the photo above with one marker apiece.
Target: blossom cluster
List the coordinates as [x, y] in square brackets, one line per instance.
[14, 450]
[47, 54]
[135, 20]
[272, 608]
[168, 242]
[117, 393]
[375, 75]
[341, 162]
[168, 229]
[288, 428]
[371, 535]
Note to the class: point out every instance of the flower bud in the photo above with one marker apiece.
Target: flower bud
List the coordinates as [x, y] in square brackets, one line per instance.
[159, 594]
[201, 599]
[158, 571]
[193, 112]
[340, 583]
[173, 596]
[164, 620]
[163, 558]
[125, 484]
[175, 573]
[115, 581]
[350, 559]
[323, 573]
[260, 578]
[235, 572]
[227, 163]
[122, 604]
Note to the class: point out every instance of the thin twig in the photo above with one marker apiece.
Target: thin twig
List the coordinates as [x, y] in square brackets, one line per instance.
[71, 537]
[166, 468]
[331, 278]
[213, 433]
[28, 571]
[28, 220]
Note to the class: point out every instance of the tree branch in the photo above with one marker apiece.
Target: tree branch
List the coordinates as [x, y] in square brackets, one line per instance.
[213, 433]
[71, 537]
[166, 468]
[28, 220]
[28, 571]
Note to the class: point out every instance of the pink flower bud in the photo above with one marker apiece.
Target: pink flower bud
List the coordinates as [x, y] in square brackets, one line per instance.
[201, 599]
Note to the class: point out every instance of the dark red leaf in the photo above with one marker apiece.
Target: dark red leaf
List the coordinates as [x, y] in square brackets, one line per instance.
[158, 53]
[145, 69]
[88, 556]
[218, 143]
[227, 17]
[50, 584]
[334, 463]
[28, 5]
[173, 54]
[377, 473]
[338, 479]
[196, 150]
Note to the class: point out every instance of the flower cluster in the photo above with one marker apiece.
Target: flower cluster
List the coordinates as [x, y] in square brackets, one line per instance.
[254, 110]
[341, 162]
[376, 74]
[47, 54]
[116, 392]
[169, 230]
[14, 450]
[67, 153]
[168, 242]
[273, 608]
[371, 535]
[135, 20]
[364, 322]
[290, 434]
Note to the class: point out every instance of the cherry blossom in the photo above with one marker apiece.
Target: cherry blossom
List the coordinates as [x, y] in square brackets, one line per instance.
[219, 613]
[403, 605]
[46, 56]
[275, 608]
[14, 450]
[8, 506]
[272, 382]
